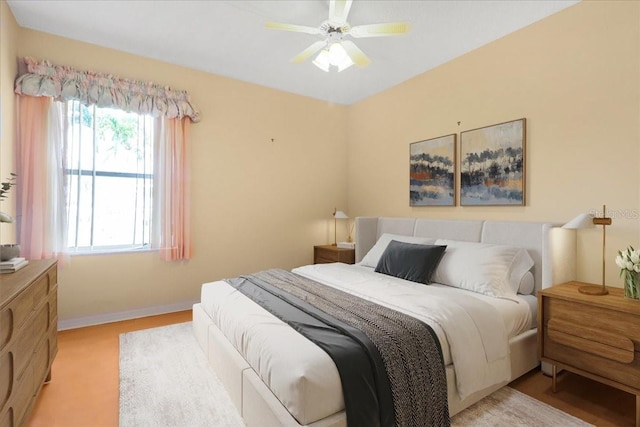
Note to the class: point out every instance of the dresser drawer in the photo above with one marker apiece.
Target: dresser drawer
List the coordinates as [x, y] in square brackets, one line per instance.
[53, 307]
[6, 417]
[28, 337]
[41, 360]
[40, 290]
[23, 394]
[41, 322]
[7, 369]
[6, 331]
[53, 342]
[22, 307]
[22, 349]
[53, 278]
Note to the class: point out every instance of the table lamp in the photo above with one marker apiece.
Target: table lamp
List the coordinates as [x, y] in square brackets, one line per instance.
[588, 221]
[336, 216]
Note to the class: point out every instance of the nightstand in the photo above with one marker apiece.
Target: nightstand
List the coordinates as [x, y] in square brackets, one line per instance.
[597, 337]
[324, 254]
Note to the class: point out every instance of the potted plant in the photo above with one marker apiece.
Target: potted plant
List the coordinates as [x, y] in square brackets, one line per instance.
[8, 251]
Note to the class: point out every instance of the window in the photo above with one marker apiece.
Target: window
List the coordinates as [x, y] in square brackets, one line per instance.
[109, 178]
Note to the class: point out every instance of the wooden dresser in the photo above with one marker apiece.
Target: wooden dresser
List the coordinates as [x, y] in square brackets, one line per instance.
[323, 254]
[594, 336]
[28, 337]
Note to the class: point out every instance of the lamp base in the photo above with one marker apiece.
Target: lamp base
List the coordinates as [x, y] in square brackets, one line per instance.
[593, 290]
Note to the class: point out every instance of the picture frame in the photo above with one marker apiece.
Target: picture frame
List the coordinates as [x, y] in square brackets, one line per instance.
[493, 165]
[432, 172]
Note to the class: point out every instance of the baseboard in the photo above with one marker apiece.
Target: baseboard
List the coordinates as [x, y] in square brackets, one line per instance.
[99, 319]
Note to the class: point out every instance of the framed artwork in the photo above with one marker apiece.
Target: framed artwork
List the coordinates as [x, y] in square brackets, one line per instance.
[492, 165]
[432, 172]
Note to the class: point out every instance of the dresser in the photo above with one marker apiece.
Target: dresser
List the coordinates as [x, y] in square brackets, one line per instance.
[323, 254]
[594, 336]
[28, 337]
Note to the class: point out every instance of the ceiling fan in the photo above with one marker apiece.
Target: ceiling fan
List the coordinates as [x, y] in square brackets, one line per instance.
[333, 49]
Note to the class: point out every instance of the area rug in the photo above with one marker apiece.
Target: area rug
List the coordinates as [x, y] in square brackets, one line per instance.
[165, 381]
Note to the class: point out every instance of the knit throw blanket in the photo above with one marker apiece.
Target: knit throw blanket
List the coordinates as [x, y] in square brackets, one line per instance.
[409, 350]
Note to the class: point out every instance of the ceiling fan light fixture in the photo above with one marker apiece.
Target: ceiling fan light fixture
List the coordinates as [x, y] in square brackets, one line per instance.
[334, 50]
[334, 55]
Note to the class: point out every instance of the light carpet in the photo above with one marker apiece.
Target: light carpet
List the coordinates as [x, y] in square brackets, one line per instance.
[165, 380]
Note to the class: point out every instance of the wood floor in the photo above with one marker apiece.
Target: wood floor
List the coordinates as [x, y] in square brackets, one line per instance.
[83, 391]
[84, 387]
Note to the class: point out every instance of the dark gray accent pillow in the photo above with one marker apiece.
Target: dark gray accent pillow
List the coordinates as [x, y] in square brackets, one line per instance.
[410, 261]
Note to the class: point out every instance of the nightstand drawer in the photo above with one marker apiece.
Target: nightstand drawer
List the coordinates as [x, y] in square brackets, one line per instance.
[323, 255]
[626, 374]
[328, 253]
[581, 314]
[593, 339]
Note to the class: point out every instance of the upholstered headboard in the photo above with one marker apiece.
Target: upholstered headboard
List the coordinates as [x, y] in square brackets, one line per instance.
[551, 247]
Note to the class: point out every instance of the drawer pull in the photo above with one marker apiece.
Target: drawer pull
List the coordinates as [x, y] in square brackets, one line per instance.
[595, 341]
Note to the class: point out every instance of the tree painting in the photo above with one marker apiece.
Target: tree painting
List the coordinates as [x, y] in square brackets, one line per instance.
[493, 165]
[432, 172]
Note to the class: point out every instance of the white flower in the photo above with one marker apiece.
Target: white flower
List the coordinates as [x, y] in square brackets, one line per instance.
[628, 260]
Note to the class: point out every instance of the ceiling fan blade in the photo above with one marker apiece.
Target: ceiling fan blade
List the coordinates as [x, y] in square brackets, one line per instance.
[379, 30]
[339, 10]
[357, 56]
[292, 27]
[302, 56]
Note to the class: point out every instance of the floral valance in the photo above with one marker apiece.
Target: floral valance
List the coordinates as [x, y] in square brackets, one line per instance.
[104, 90]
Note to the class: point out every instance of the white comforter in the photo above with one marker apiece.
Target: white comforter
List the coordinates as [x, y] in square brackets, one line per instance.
[478, 343]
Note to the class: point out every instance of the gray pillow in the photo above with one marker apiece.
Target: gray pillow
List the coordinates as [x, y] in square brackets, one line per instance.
[410, 261]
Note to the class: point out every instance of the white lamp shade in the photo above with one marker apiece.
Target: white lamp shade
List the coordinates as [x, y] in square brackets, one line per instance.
[322, 60]
[340, 215]
[581, 221]
[338, 57]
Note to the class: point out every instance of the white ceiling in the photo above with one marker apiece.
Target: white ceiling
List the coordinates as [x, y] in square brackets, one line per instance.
[229, 37]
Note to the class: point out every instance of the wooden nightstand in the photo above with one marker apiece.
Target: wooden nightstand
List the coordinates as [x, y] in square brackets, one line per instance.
[324, 254]
[597, 337]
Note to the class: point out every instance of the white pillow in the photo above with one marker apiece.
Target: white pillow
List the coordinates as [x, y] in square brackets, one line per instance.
[494, 270]
[527, 284]
[373, 256]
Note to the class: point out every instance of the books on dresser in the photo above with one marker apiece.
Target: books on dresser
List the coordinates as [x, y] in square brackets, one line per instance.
[12, 265]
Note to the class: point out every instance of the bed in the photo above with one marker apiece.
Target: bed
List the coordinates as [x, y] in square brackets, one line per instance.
[271, 385]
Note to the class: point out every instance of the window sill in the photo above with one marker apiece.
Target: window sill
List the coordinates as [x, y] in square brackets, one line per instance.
[111, 252]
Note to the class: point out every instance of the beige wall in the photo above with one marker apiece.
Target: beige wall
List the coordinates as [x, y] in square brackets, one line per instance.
[256, 203]
[575, 76]
[8, 71]
[259, 204]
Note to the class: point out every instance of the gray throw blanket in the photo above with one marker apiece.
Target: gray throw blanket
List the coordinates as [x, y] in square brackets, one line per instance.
[409, 348]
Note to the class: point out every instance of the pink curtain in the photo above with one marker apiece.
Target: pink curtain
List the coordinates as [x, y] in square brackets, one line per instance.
[41, 211]
[172, 198]
[40, 202]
